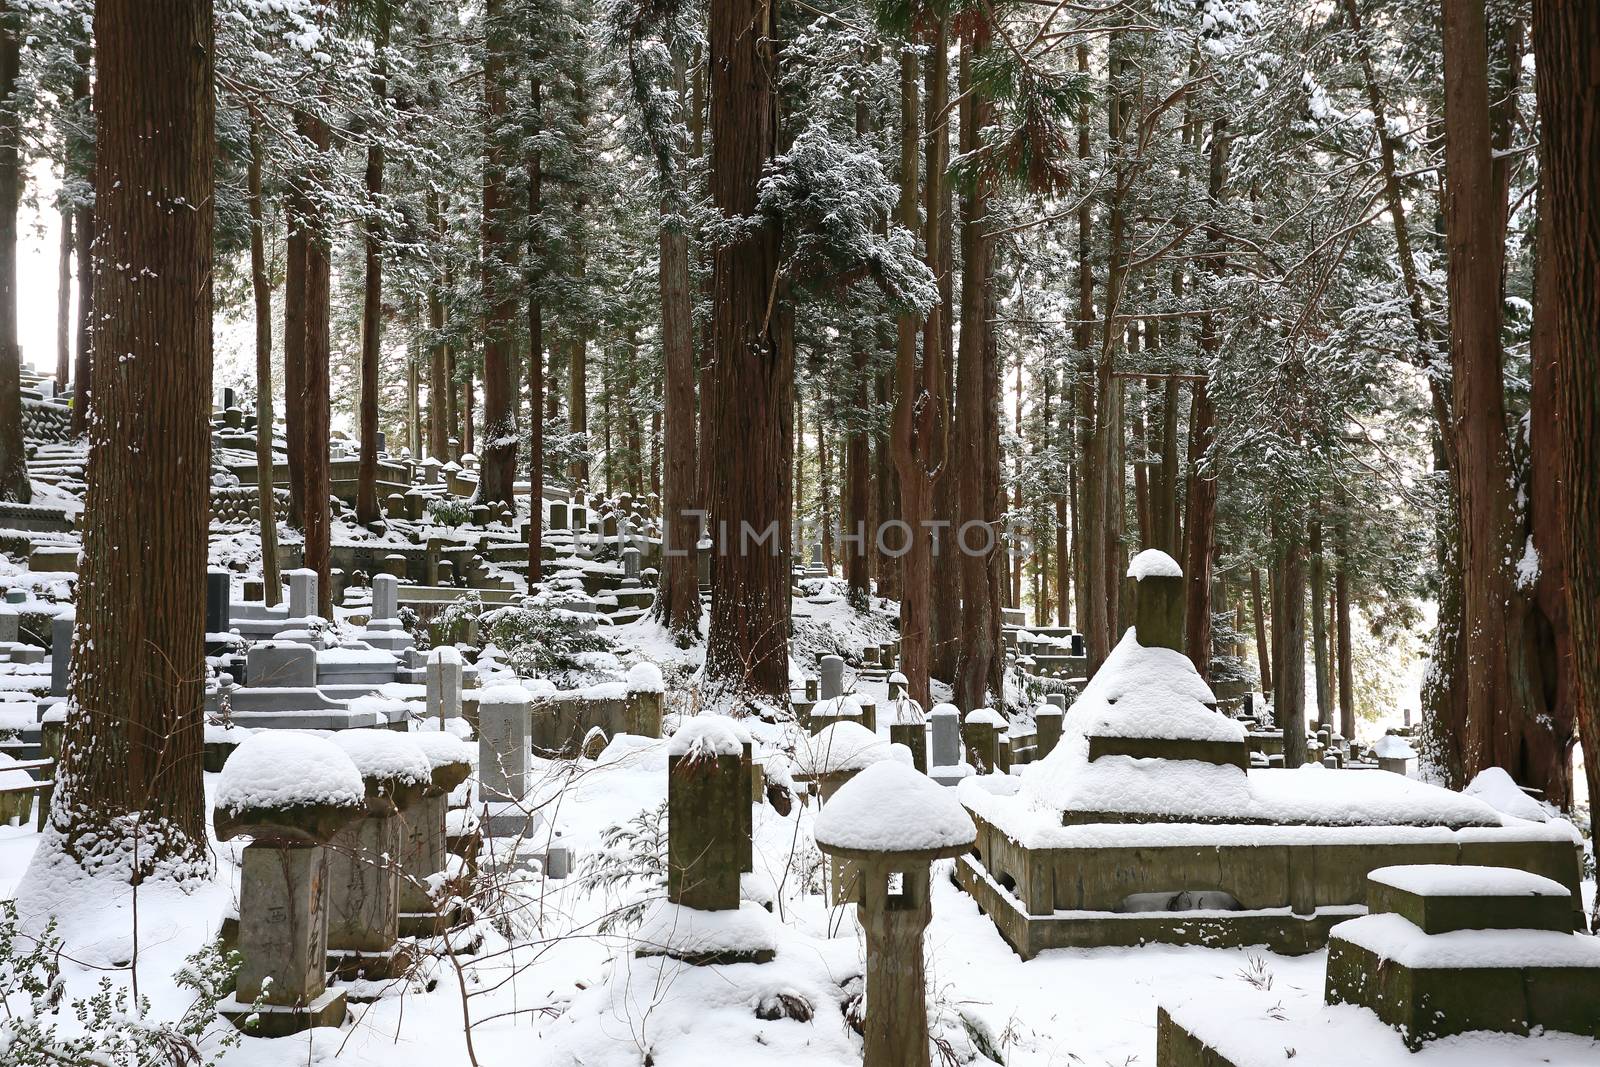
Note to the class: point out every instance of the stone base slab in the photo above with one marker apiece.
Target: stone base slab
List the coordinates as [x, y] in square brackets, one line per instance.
[272, 1020]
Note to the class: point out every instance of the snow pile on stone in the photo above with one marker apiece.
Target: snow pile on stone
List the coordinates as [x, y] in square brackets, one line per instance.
[386, 756]
[645, 677]
[841, 707]
[1153, 563]
[1467, 880]
[841, 748]
[985, 717]
[287, 769]
[1499, 790]
[1393, 746]
[442, 749]
[691, 931]
[706, 737]
[890, 807]
[1394, 937]
[444, 654]
[1145, 693]
[503, 694]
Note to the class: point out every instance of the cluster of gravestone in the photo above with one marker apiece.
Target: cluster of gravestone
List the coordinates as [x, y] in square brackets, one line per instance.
[1156, 824]
[944, 743]
[1443, 950]
[341, 889]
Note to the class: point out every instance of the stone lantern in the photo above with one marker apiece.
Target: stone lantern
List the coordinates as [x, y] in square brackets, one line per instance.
[290, 793]
[831, 758]
[363, 872]
[890, 823]
[423, 845]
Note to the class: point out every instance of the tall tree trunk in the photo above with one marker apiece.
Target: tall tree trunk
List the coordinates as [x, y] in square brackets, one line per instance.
[497, 467]
[439, 388]
[1341, 619]
[938, 335]
[1566, 40]
[534, 166]
[80, 158]
[13, 458]
[131, 762]
[1289, 642]
[372, 297]
[306, 347]
[261, 289]
[976, 404]
[1263, 649]
[752, 391]
[64, 302]
[677, 605]
[1497, 697]
[1319, 623]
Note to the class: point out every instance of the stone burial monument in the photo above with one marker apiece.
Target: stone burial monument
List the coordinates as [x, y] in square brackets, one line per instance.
[291, 794]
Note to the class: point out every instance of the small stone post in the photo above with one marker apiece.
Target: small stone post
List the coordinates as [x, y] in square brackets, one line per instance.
[443, 679]
[831, 673]
[981, 731]
[302, 593]
[1047, 723]
[708, 794]
[1158, 603]
[216, 606]
[945, 730]
[61, 651]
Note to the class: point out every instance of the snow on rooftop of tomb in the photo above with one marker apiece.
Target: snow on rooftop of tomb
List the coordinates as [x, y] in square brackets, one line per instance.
[442, 749]
[386, 755]
[705, 736]
[645, 677]
[841, 747]
[1393, 746]
[1145, 693]
[1467, 880]
[1153, 563]
[890, 807]
[285, 769]
[1394, 937]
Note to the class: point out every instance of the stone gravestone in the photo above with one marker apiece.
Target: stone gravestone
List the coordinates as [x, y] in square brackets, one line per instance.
[281, 665]
[217, 621]
[283, 880]
[630, 566]
[443, 678]
[302, 593]
[61, 652]
[1047, 724]
[384, 629]
[558, 515]
[944, 724]
[424, 846]
[830, 671]
[505, 760]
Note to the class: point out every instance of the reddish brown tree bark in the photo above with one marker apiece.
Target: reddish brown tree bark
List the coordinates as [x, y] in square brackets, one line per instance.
[497, 467]
[131, 763]
[13, 459]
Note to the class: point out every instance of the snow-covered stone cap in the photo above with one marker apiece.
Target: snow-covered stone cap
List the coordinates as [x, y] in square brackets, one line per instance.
[1153, 563]
[383, 756]
[287, 788]
[444, 654]
[1467, 880]
[706, 737]
[1393, 746]
[898, 678]
[842, 748]
[503, 694]
[645, 677]
[894, 809]
[940, 711]
[847, 706]
[985, 717]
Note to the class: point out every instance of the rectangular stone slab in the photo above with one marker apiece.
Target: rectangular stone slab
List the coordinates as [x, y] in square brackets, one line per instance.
[1441, 914]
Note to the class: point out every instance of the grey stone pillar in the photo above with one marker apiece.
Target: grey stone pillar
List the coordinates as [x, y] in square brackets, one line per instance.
[216, 601]
[443, 679]
[385, 597]
[1047, 721]
[505, 744]
[302, 593]
[708, 800]
[945, 727]
[61, 652]
[831, 674]
[1158, 600]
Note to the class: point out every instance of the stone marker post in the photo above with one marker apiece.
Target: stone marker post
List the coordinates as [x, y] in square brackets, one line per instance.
[945, 729]
[443, 678]
[61, 652]
[505, 743]
[1047, 723]
[708, 802]
[302, 593]
[831, 674]
[1158, 602]
[423, 846]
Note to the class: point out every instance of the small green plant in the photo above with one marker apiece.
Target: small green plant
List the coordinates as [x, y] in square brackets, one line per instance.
[633, 856]
[538, 642]
[448, 511]
[110, 1025]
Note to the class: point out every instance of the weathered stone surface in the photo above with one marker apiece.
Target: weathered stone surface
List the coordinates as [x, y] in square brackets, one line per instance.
[708, 802]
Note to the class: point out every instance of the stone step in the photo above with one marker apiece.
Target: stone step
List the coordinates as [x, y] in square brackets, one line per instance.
[1440, 898]
[1429, 986]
